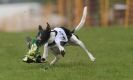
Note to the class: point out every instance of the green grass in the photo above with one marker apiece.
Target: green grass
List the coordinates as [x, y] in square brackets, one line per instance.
[112, 47]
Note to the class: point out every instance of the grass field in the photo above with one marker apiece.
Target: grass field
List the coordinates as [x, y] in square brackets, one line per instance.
[112, 47]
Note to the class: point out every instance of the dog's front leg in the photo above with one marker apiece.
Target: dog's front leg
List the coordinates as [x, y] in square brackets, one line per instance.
[45, 53]
[54, 60]
[62, 50]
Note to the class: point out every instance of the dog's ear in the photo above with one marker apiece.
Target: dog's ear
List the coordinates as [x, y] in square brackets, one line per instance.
[40, 28]
[28, 42]
[48, 27]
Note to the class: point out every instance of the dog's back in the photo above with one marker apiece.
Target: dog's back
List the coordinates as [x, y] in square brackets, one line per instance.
[68, 32]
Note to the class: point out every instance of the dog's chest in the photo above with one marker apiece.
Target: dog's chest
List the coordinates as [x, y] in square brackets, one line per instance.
[52, 37]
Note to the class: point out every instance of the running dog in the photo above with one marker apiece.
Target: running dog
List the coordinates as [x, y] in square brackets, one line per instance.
[56, 39]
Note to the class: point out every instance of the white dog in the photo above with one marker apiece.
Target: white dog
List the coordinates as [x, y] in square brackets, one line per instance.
[57, 38]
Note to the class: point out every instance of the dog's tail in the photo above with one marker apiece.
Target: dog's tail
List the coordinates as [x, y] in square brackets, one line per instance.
[80, 25]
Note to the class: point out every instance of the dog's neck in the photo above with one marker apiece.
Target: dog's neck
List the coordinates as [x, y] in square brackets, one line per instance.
[52, 36]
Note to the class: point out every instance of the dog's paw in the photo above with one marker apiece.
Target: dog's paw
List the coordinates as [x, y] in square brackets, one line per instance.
[93, 59]
[52, 63]
[63, 53]
[43, 60]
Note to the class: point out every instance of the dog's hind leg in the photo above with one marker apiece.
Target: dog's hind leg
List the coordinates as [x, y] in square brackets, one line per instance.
[75, 40]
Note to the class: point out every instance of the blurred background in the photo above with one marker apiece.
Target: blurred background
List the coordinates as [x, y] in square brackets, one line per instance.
[25, 15]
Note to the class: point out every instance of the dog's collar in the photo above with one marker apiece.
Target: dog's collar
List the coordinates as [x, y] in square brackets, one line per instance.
[54, 31]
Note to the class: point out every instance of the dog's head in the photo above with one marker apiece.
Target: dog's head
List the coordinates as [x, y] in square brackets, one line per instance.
[43, 34]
